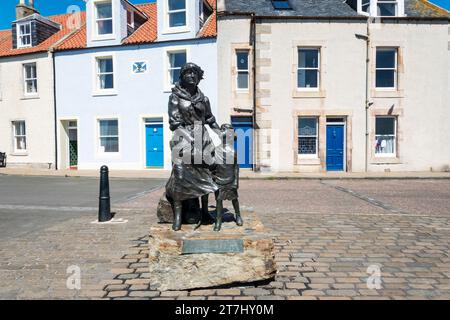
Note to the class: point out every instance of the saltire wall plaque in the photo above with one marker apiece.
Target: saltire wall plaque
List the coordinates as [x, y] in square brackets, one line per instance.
[139, 67]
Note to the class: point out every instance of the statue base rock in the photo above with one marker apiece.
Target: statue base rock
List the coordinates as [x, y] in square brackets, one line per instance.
[189, 259]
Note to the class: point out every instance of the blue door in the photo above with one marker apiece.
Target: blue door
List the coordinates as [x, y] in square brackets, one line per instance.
[154, 145]
[335, 148]
[243, 127]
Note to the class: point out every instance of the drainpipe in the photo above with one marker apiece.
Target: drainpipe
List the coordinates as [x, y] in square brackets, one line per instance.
[54, 110]
[253, 43]
[367, 103]
[366, 38]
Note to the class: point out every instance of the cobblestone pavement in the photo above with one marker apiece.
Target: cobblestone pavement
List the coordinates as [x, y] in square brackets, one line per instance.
[327, 235]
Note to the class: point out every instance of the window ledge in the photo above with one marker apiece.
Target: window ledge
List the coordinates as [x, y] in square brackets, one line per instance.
[30, 97]
[307, 161]
[108, 155]
[106, 93]
[385, 160]
[19, 154]
[308, 94]
[380, 93]
[106, 38]
[176, 30]
[242, 91]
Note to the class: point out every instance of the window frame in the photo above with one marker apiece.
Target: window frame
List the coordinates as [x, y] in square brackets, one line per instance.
[168, 12]
[26, 79]
[395, 135]
[395, 2]
[167, 70]
[238, 71]
[15, 137]
[97, 91]
[302, 155]
[97, 35]
[318, 69]
[20, 36]
[99, 136]
[395, 69]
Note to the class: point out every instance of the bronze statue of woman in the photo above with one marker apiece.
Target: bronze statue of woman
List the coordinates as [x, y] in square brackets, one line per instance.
[189, 113]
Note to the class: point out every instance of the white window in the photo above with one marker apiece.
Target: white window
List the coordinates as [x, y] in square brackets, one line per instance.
[19, 136]
[30, 79]
[176, 13]
[24, 35]
[387, 8]
[105, 73]
[385, 136]
[242, 69]
[307, 136]
[386, 68]
[108, 136]
[176, 60]
[308, 74]
[103, 18]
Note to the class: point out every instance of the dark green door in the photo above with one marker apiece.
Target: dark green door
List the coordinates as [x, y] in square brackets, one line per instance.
[73, 144]
[73, 152]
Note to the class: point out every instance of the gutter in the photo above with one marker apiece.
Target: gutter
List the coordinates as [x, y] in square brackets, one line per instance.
[354, 18]
[54, 110]
[367, 103]
[359, 17]
[153, 43]
[255, 126]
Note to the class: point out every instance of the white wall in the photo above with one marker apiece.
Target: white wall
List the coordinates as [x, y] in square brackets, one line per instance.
[38, 112]
[233, 33]
[138, 96]
[421, 103]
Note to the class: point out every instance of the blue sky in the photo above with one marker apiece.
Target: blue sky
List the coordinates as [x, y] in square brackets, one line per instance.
[51, 7]
[443, 3]
[45, 7]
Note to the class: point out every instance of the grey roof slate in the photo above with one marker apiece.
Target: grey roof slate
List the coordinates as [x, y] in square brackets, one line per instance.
[418, 8]
[302, 8]
[322, 8]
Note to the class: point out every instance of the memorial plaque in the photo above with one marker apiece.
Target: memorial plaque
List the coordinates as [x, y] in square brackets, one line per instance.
[212, 246]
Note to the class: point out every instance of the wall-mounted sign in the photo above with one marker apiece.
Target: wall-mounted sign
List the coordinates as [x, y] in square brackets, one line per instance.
[140, 67]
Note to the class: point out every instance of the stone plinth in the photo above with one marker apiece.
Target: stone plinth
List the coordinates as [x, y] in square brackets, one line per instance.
[189, 259]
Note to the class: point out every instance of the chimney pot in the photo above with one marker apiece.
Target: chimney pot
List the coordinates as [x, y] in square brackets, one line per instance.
[24, 10]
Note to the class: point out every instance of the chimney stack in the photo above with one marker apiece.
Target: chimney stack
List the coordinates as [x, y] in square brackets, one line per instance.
[23, 10]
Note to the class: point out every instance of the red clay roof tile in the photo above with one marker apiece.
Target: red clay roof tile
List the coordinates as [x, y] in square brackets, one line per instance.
[7, 50]
[147, 33]
[68, 39]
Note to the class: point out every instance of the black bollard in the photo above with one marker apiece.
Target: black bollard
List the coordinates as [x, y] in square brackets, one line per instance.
[104, 206]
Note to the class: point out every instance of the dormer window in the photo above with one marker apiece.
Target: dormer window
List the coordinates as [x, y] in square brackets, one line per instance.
[24, 35]
[378, 8]
[103, 18]
[177, 13]
[387, 8]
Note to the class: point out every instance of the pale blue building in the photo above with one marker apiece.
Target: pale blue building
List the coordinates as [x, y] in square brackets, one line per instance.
[114, 77]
